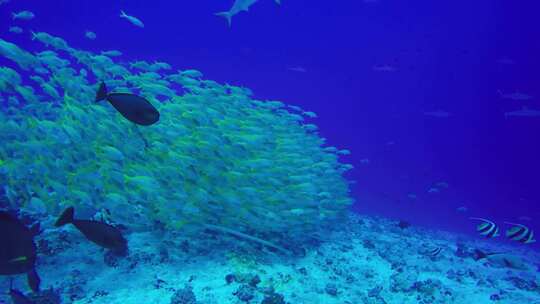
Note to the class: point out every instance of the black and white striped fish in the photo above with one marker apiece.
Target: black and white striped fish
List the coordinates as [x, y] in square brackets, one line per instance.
[520, 233]
[487, 228]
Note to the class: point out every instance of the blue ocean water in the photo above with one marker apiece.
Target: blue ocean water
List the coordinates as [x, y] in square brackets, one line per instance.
[417, 91]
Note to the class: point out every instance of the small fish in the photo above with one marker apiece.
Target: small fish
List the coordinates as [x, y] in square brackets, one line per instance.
[487, 228]
[23, 15]
[134, 108]
[462, 209]
[517, 96]
[134, 20]
[99, 233]
[433, 190]
[15, 30]
[384, 68]
[18, 259]
[520, 233]
[297, 69]
[524, 112]
[90, 35]
[412, 196]
[438, 114]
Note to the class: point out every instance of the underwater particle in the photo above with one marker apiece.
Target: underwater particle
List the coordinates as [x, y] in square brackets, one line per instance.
[133, 20]
[134, 108]
[412, 196]
[238, 6]
[487, 228]
[15, 29]
[21, 256]
[364, 161]
[23, 15]
[520, 233]
[90, 35]
[99, 233]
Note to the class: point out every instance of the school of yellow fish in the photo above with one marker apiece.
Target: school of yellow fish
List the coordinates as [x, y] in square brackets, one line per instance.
[217, 156]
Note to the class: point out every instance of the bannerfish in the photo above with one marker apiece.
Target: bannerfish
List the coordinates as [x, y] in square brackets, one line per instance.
[134, 108]
[487, 228]
[134, 20]
[100, 233]
[520, 233]
[18, 250]
[17, 297]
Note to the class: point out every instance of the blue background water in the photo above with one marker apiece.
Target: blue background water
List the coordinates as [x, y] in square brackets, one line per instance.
[446, 54]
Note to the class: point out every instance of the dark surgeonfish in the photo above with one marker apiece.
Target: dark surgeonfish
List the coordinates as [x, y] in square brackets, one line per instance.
[18, 297]
[17, 249]
[487, 228]
[134, 108]
[520, 233]
[100, 233]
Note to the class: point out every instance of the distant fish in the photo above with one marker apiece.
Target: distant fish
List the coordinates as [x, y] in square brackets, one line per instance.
[364, 161]
[520, 233]
[134, 20]
[412, 196]
[18, 250]
[90, 35]
[15, 29]
[517, 96]
[433, 190]
[524, 218]
[506, 60]
[524, 112]
[438, 114]
[23, 15]
[297, 69]
[134, 108]
[462, 209]
[384, 68]
[442, 184]
[238, 6]
[100, 233]
[487, 228]
[111, 53]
